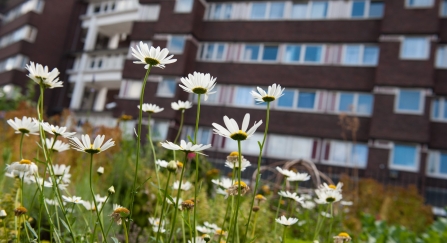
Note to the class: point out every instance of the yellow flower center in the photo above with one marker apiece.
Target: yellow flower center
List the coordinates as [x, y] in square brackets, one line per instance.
[332, 186]
[259, 197]
[179, 164]
[92, 150]
[268, 98]
[243, 185]
[234, 153]
[199, 90]
[344, 234]
[220, 232]
[25, 162]
[151, 61]
[240, 135]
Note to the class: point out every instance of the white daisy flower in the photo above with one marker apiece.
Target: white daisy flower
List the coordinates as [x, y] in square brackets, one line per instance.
[325, 214]
[152, 56]
[156, 221]
[185, 186]
[58, 146]
[342, 238]
[273, 93]
[119, 212]
[290, 195]
[286, 221]
[73, 199]
[100, 199]
[186, 147]
[198, 240]
[155, 228]
[325, 186]
[181, 105]
[211, 226]
[51, 202]
[327, 196]
[56, 130]
[286, 173]
[232, 131]
[63, 172]
[204, 229]
[25, 126]
[49, 184]
[299, 177]
[162, 163]
[223, 182]
[90, 206]
[151, 108]
[244, 164]
[199, 83]
[91, 148]
[23, 167]
[175, 199]
[308, 205]
[40, 75]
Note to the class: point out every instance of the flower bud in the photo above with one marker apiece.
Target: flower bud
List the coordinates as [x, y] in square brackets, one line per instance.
[111, 190]
[172, 166]
[3, 214]
[20, 211]
[100, 170]
[206, 237]
[255, 209]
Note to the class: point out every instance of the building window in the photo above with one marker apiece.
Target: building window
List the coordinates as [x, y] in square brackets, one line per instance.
[213, 51]
[409, 101]
[241, 96]
[312, 54]
[441, 57]
[419, 3]
[130, 89]
[444, 8]
[345, 153]
[159, 130]
[318, 9]
[220, 11]
[183, 6]
[250, 146]
[367, 9]
[204, 134]
[267, 10]
[404, 157]
[284, 147]
[26, 32]
[23, 8]
[176, 44]
[437, 163]
[355, 103]
[260, 53]
[439, 109]
[360, 55]
[416, 48]
[298, 99]
[166, 88]
[14, 62]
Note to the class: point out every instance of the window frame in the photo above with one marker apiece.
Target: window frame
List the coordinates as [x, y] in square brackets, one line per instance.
[166, 95]
[409, 112]
[355, 102]
[203, 50]
[361, 55]
[441, 54]
[417, 157]
[268, 8]
[348, 162]
[296, 94]
[177, 11]
[407, 5]
[442, 107]
[260, 54]
[425, 57]
[209, 15]
[437, 160]
[172, 50]
[442, 5]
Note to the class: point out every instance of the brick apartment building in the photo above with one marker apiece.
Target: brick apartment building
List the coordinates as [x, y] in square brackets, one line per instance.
[384, 62]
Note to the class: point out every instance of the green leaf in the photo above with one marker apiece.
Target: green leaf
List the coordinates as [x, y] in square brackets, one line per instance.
[65, 225]
[115, 240]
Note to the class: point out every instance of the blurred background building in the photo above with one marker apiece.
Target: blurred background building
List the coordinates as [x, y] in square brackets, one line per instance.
[365, 80]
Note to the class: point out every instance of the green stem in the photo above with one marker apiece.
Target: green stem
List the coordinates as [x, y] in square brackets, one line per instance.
[330, 225]
[163, 207]
[279, 206]
[258, 174]
[224, 219]
[26, 228]
[180, 127]
[104, 238]
[140, 117]
[177, 200]
[319, 223]
[254, 225]
[125, 233]
[284, 234]
[157, 168]
[197, 169]
[21, 143]
[235, 224]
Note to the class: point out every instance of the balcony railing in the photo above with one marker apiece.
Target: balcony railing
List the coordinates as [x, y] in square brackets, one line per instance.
[101, 62]
[111, 7]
